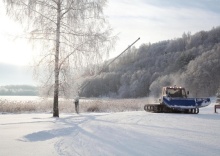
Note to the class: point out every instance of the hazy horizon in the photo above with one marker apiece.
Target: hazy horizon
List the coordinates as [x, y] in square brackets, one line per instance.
[151, 20]
[15, 75]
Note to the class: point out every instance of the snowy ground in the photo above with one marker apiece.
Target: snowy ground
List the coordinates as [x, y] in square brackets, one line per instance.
[122, 133]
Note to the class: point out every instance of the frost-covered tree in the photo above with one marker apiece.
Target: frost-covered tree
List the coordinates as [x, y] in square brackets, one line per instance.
[192, 61]
[71, 32]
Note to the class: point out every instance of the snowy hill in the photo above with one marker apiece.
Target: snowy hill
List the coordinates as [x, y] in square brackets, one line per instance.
[191, 61]
[123, 133]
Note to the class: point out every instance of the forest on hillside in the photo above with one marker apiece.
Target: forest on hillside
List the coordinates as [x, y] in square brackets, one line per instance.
[192, 61]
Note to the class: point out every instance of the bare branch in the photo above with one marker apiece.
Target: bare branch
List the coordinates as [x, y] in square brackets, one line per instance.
[75, 30]
[37, 12]
[46, 4]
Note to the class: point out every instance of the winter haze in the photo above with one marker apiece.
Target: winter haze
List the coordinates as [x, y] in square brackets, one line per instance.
[180, 44]
[152, 20]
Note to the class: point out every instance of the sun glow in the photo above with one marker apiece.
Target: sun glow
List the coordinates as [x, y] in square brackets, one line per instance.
[13, 50]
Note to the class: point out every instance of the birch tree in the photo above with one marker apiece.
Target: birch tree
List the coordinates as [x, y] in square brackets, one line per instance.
[71, 32]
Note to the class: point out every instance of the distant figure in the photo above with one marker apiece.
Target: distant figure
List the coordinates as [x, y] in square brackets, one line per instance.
[77, 105]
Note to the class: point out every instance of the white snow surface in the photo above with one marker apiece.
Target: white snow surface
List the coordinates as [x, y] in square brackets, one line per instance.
[123, 133]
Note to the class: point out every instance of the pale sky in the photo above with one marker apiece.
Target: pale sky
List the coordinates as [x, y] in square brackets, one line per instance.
[151, 20]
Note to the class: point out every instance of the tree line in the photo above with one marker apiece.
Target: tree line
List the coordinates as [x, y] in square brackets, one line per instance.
[192, 61]
[18, 90]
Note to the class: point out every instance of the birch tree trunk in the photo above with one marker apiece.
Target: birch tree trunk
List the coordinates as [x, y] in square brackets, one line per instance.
[56, 66]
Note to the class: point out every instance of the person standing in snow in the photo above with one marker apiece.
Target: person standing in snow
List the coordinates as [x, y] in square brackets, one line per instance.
[76, 101]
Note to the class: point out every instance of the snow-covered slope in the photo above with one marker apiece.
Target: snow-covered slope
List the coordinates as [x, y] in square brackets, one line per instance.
[125, 133]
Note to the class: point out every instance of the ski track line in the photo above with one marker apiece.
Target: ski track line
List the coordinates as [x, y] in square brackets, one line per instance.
[62, 148]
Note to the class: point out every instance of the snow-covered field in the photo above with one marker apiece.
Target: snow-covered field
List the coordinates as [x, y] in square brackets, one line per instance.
[119, 133]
